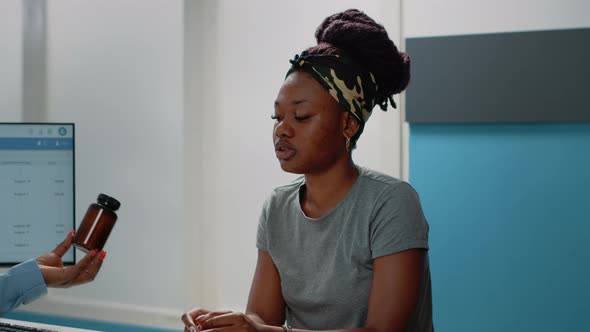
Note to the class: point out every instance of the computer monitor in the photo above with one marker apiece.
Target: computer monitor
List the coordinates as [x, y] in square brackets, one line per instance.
[37, 200]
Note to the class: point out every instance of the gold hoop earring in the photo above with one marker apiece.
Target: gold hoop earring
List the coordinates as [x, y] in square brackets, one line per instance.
[348, 144]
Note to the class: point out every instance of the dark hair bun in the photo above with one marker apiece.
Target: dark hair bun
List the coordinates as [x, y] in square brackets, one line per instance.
[358, 36]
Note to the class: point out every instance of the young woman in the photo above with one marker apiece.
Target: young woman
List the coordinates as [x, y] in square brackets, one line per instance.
[344, 247]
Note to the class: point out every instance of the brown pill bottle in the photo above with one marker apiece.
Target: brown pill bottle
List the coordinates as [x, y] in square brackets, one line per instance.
[97, 224]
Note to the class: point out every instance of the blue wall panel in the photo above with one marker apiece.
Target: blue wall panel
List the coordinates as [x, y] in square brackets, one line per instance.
[509, 211]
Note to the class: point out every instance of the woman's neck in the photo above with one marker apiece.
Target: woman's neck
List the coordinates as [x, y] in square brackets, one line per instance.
[323, 191]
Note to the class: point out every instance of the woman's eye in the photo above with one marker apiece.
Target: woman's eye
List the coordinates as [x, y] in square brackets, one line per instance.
[274, 117]
[302, 118]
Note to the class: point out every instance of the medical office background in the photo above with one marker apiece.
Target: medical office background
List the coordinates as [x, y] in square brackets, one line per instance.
[172, 102]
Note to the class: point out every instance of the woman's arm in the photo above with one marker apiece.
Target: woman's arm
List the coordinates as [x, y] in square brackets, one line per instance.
[395, 290]
[265, 302]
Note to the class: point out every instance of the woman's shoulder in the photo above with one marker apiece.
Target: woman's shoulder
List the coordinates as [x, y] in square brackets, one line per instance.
[377, 177]
[390, 193]
[382, 182]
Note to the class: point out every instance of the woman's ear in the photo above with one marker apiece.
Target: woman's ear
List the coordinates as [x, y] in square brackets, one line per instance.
[351, 125]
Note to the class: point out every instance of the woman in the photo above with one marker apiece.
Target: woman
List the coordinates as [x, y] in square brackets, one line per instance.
[343, 247]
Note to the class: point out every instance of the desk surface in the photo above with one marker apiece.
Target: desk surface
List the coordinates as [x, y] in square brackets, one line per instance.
[44, 326]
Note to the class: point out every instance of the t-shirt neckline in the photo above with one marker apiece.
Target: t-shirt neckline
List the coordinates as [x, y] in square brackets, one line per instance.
[346, 197]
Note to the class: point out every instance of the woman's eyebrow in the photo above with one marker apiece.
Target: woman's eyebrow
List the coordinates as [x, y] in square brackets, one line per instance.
[294, 102]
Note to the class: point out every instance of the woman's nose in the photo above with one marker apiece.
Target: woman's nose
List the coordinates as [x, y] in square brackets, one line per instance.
[283, 129]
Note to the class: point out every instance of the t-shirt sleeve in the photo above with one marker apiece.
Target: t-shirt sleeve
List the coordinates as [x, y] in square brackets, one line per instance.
[398, 223]
[261, 236]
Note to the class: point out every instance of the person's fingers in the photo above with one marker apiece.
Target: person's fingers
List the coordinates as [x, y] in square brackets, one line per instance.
[188, 318]
[203, 318]
[226, 329]
[89, 274]
[72, 272]
[63, 247]
[226, 319]
[53, 276]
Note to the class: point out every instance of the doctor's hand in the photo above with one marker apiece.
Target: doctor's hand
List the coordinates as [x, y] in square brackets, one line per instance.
[56, 275]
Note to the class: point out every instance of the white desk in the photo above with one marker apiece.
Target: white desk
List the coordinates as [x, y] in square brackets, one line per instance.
[43, 326]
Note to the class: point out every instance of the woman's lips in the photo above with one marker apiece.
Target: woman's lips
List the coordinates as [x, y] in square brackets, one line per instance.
[284, 149]
[285, 153]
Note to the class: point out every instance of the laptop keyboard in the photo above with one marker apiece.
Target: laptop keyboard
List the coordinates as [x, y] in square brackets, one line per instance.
[4, 327]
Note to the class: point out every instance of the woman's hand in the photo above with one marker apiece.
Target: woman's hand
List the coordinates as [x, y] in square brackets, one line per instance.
[56, 275]
[232, 321]
[192, 319]
[205, 320]
[189, 319]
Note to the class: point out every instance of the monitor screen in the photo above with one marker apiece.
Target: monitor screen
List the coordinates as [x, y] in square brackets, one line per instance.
[37, 205]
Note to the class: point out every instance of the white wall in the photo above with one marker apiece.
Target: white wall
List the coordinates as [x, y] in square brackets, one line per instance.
[246, 56]
[454, 17]
[115, 69]
[11, 31]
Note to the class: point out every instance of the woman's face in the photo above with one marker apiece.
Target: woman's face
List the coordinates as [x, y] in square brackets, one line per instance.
[309, 126]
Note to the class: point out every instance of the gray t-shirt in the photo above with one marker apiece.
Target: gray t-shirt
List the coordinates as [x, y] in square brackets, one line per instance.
[326, 264]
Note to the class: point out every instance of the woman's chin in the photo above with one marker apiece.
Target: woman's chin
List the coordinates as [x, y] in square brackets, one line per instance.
[290, 168]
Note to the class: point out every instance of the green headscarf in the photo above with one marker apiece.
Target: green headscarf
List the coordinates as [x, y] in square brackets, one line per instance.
[353, 87]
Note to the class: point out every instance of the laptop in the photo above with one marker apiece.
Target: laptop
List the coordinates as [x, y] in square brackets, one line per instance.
[19, 325]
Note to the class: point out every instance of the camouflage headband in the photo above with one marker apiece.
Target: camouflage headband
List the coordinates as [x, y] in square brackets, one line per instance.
[353, 87]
